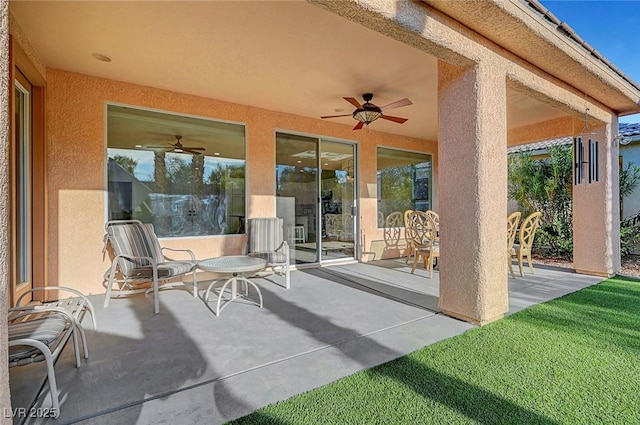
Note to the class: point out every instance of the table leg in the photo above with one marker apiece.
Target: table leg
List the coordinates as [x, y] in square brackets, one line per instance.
[247, 282]
[233, 280]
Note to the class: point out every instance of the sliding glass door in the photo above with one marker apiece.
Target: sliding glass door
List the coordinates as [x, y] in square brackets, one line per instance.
[315, 197]
[338, 200]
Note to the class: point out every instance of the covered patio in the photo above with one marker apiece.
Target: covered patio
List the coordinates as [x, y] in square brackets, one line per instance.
[265, 77]
[191, 366]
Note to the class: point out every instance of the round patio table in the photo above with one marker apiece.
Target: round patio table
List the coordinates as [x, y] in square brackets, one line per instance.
[237, 266]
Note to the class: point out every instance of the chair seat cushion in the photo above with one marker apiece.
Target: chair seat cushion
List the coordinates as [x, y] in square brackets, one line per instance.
[45, 329]
[165, 270]
[276, 257]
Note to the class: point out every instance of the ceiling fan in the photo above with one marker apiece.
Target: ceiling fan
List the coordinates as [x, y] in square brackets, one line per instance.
[368, 112]
[177, 147]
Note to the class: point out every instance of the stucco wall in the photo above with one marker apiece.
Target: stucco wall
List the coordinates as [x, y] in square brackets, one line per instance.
[76, 151]
[5, 400]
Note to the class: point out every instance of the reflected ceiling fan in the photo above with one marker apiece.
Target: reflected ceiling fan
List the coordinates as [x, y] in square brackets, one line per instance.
[368, 112]
[177, 147]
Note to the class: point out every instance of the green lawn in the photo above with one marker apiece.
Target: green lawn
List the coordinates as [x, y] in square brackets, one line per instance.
[574, 360]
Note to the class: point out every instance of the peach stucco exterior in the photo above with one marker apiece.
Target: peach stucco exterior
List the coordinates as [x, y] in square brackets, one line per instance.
[76, 148]
[480, 62]
[5, 399]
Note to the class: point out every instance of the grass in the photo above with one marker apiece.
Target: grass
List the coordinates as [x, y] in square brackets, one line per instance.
[573, 360]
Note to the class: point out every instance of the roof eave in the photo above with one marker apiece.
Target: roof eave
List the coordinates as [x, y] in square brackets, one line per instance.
[523, 28]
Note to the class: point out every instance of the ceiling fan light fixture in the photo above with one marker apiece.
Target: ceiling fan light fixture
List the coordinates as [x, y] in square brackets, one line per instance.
[367, 115]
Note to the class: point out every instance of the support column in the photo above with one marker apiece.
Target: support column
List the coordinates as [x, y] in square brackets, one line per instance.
[472, 151]
[596, 209]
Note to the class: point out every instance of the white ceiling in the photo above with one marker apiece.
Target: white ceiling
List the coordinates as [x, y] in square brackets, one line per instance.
[287, 56]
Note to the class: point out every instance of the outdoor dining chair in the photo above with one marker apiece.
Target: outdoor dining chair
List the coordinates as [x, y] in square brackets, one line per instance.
[526, 235]
[139, 261]
[266, 240]
[423, 233]
[512, 227]
[409, 250]
[436, 220]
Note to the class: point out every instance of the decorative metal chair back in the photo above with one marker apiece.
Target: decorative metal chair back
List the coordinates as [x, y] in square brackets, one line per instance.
[407, 238]
[436, 220]
[528, 230]
[392, 225]
[512, 226]
[422, 229]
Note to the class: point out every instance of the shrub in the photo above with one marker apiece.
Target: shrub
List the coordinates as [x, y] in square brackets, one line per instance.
[544, 185]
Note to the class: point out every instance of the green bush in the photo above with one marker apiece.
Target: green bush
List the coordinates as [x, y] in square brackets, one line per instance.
[544, 185]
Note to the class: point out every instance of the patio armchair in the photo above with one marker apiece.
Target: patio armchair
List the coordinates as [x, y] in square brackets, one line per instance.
[512, 228]
[266, 240]
[78, 305]
[40, 334]
[139, 261]
[526, 235]
[423, 233]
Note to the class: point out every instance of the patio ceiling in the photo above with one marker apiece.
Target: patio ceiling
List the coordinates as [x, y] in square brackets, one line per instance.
[288, 56]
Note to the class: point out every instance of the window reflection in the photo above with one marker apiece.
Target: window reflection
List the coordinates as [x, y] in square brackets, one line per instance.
[404, 182]
[182, 194]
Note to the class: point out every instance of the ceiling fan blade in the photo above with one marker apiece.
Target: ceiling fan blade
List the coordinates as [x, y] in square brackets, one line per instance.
[394, 119]
[191, 151]
[353, 101]
[397, 104]
[336, 116]
[195, 148]
[157, 148]
[358, 126]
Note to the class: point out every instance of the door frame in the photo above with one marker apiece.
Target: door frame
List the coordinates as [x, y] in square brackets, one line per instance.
[356, 200]
[20, 63]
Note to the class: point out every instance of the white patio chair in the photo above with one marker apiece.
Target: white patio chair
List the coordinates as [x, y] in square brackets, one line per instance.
[78, 305]
[266, 240]
[139, 260]
[41, 334]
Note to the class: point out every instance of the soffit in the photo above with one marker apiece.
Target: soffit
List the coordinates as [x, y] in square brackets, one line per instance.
[289, 56]
[515, 26]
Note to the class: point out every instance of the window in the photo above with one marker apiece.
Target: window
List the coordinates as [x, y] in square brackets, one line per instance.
[186, 175]
[404, 182]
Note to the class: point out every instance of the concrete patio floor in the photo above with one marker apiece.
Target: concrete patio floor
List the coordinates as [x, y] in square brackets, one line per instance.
[187, 366]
